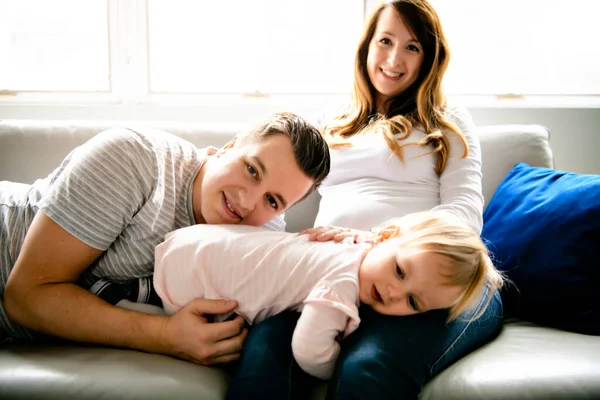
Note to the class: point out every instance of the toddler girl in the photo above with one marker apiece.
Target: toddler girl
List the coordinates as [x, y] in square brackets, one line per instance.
[428, 260]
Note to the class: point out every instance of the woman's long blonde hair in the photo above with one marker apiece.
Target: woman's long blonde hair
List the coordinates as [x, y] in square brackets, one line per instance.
[422, 104]
[470, 265]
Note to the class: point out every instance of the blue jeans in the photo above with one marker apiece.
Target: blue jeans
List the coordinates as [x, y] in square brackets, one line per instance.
[385, 358]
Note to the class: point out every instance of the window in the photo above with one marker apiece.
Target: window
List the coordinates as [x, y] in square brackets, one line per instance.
[522, 47]
[241, 46]
[59, 45]
[138, 51]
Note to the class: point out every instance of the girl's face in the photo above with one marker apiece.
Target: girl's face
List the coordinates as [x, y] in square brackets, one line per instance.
[394, 58]
[397, 281]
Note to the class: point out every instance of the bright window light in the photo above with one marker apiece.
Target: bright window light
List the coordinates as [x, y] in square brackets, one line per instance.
[58, 45]
[522, 47]
[241, 46]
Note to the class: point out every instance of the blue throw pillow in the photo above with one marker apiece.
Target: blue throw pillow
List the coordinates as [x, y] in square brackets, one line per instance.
[543, 229]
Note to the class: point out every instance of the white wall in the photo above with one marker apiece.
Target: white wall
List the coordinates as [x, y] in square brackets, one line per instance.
[575, 132]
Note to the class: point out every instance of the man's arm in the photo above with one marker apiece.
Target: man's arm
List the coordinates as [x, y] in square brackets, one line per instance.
[41, 294]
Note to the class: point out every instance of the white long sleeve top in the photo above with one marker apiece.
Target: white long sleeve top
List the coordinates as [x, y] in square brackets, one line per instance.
[267, 272]
[369, 186]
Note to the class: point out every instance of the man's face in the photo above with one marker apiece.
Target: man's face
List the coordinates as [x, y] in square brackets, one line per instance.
[249, 183]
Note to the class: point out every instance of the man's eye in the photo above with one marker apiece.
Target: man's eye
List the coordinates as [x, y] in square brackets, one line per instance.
[252, 170]
[399, 272]
[272, 202]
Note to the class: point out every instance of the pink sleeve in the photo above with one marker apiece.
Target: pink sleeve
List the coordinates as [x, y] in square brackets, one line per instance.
[325, 319]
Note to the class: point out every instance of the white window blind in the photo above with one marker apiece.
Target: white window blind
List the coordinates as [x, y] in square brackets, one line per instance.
[58, 45]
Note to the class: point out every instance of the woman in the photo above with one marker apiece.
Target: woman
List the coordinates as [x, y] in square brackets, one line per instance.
[400, 63]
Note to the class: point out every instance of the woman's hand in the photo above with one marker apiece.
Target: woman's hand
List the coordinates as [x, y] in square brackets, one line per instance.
[189, 335]
[337, 234]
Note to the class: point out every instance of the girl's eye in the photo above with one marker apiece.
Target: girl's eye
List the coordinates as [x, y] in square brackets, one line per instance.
[385, 41]
[272, 202]
[252, 170]
[412, 303]
[399, 272]
[412, 47]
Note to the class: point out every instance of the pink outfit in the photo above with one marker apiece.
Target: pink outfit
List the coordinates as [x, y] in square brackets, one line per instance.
[267, 272]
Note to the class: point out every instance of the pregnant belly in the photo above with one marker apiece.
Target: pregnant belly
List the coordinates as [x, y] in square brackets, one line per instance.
[363, 213]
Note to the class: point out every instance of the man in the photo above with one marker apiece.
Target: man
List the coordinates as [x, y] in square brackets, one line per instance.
[112, 200]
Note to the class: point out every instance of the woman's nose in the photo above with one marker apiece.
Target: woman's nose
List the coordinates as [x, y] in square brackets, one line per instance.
[394, 58]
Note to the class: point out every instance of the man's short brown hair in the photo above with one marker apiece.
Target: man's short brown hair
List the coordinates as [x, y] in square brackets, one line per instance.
[310, 149]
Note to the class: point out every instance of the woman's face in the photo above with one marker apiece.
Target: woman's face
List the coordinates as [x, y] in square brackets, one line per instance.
[394, 58]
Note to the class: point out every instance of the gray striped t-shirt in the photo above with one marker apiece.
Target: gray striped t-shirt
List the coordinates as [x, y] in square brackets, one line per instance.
[120, 192]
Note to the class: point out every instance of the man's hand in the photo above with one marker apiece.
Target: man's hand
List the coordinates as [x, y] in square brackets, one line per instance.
[337, 234]
[188, 334]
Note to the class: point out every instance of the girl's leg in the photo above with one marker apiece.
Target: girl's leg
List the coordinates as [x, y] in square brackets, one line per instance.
[267, 369]
[393, 357]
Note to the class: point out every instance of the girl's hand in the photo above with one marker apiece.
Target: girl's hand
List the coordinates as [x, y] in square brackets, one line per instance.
[337, 234]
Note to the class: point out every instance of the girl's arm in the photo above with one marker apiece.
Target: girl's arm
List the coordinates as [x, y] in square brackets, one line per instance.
[314, 343]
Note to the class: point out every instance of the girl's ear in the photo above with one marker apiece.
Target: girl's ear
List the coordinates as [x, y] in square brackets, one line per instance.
[388, 232]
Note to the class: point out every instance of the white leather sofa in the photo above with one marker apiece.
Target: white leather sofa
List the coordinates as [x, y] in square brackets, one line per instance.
[524, 362]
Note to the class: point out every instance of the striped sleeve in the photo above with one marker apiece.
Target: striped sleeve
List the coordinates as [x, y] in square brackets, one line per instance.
[276, 224]
[101, 185]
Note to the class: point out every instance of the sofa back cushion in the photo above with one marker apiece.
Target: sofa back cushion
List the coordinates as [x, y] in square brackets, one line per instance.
[502, 146]
[31, 149]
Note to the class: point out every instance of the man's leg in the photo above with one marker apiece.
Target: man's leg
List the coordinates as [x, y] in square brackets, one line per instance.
[267, 369]
[392, 357]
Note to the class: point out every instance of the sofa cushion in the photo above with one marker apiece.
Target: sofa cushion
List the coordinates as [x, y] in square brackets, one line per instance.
[72, 371]
[543, 228]
[526, 361]
[502, 146]
[31, 149]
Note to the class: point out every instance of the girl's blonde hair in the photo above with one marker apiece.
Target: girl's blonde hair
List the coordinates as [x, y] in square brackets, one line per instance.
[470, 264]
[422, 104]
